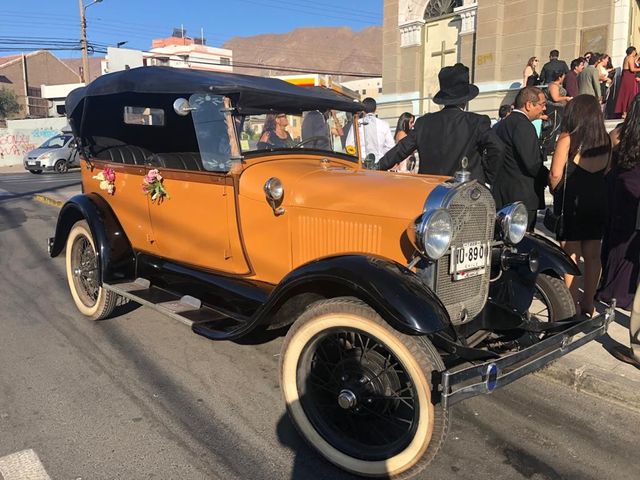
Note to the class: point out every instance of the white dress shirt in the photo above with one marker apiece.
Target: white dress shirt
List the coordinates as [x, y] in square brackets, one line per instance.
[375, 136]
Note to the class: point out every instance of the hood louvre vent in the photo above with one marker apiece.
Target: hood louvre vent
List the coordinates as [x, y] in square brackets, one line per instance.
[319, 237]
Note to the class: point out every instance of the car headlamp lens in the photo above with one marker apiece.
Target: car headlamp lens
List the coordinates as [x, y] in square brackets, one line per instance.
[513, 219]
[44, 156]
[432, 232]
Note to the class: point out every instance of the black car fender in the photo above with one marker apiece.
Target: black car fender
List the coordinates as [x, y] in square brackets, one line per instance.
[116, 260]
[391, 289]
[551, 258]
[516, 286]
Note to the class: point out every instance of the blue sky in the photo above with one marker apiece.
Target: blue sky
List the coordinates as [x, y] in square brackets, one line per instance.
[139, 21]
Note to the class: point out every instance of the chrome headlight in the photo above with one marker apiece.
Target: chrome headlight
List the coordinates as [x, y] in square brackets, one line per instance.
[431, 233]
[513, 220]
[44, 156]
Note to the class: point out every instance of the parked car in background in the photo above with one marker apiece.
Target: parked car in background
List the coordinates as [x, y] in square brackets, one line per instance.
[58, 153]
[404, 294]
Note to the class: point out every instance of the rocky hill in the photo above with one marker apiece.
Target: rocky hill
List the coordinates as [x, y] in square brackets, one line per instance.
[323, 49]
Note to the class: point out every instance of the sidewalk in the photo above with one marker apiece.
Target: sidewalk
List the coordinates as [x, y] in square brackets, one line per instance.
[590, 369]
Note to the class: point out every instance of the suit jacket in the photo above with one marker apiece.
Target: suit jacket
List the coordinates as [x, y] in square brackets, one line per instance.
[522, 176]
[589, 81]
[444, 138]
[555, 65]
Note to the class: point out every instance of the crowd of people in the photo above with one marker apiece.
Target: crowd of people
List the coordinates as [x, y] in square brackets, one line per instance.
[594, 176]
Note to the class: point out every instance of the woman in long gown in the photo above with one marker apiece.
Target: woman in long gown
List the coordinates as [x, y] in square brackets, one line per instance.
[621, 246]
[628, 83]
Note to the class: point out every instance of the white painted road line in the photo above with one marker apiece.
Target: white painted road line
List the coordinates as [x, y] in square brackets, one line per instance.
[24, 465]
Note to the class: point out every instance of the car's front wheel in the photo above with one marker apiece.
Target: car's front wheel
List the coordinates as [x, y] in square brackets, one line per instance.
[360, 392]
[61, 166]
[83, 275]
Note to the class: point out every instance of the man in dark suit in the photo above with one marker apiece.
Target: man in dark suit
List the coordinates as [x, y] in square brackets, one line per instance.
[552, 66]
[444, 138]
[523, 175]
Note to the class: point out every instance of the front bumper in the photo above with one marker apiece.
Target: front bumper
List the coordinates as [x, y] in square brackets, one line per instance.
[37, 165]
[462, 383]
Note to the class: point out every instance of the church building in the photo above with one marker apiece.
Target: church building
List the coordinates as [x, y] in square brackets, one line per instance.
[495, 39]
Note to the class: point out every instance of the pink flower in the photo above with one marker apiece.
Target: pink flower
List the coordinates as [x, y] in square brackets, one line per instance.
[109, 174]
[152, 176]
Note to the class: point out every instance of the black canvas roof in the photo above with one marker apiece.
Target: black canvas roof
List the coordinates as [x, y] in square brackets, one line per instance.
[252, 94]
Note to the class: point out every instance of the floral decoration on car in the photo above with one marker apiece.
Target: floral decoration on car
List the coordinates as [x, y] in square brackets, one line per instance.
[351, 150]
[152, 186]
[107, 179]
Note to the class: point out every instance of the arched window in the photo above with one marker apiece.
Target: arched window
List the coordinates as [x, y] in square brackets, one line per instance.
[439, 8]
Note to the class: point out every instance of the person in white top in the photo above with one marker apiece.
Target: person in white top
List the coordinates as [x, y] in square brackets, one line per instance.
[375, 134]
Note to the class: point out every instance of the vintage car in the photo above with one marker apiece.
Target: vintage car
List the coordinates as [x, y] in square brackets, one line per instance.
[403, 294]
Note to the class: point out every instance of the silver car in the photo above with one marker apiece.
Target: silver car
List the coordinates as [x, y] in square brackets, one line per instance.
[58, 153]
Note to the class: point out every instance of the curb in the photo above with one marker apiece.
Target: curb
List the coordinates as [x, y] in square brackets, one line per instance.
[48, 201]
[594, 381]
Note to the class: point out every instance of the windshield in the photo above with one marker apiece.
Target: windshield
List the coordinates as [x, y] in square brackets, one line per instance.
[313, 130]
[56, 142]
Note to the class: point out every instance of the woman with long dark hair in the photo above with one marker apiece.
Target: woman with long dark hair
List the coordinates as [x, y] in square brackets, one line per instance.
[621, 246]
[577, 180]
[404, 125]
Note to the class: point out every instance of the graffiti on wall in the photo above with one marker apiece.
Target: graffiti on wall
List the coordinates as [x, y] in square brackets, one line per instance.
[44, 133]
[15, 144]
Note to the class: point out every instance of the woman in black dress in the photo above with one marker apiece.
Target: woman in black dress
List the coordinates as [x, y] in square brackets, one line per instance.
[583, 150]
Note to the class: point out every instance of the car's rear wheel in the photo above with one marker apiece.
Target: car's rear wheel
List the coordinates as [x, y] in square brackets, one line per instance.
[61, 166]
[36, 172]
[83, 275]
[360, 392]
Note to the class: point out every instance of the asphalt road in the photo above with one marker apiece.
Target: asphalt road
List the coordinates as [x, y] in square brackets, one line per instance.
[139, 396]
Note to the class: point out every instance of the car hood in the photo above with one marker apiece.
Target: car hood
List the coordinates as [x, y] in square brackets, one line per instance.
[39, 151]
[343, 188]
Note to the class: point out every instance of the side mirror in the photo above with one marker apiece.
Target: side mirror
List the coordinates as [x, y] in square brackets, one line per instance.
[370, 162]
[181, 107]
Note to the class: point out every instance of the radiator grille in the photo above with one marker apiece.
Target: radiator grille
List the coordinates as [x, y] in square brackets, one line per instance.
[473, 220]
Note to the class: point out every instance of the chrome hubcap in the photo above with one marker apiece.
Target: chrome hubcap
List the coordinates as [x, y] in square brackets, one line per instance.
[347, 399]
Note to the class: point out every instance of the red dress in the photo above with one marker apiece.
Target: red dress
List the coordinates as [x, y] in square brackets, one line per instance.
[627, 91]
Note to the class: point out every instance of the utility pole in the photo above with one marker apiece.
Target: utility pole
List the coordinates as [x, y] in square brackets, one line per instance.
[84, 74]
[84, 77]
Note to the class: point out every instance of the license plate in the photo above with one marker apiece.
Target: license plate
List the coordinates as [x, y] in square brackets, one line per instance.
[469, 260]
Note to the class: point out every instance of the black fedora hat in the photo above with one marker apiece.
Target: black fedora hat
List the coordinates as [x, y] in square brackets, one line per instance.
[455, 88]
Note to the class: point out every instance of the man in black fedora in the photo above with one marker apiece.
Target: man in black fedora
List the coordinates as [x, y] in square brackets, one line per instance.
[444, 138]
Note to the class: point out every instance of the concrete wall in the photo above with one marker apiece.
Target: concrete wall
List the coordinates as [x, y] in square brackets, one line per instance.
[21, 136]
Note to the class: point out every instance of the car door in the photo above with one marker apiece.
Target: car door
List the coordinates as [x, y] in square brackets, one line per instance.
[195, 223]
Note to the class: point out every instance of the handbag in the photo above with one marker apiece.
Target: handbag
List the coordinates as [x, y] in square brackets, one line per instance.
[555, 223]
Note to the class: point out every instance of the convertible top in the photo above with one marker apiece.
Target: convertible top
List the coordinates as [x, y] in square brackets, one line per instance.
[252, 95]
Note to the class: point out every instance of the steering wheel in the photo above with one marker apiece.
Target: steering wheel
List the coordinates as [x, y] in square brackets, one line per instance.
[316, 138]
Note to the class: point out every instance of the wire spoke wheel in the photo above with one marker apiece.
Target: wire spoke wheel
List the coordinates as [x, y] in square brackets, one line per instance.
[85, 269]
[83, 274]
[360, 392]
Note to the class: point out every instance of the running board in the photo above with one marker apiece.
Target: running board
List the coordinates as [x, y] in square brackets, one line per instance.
[185, 309]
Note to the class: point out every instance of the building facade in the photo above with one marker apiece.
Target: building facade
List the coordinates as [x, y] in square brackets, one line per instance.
[494, 38]
[25, 75]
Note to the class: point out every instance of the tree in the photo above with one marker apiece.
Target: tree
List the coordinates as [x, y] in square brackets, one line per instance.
[8, 103]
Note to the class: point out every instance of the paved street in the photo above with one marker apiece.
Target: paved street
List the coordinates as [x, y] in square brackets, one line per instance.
[139, 396]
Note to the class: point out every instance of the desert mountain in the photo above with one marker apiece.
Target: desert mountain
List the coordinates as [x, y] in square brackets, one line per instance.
[324, 49]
